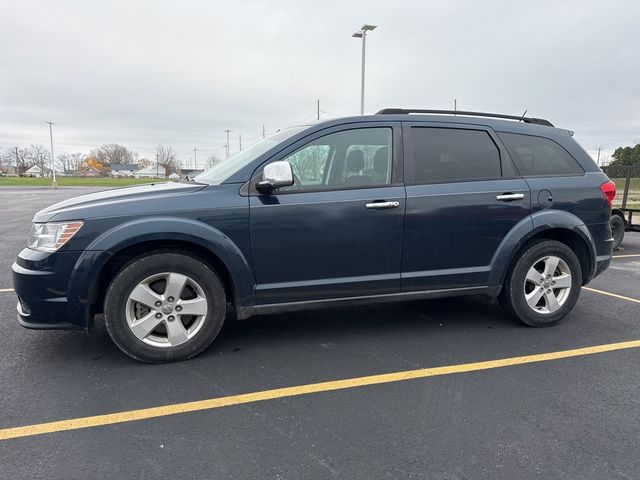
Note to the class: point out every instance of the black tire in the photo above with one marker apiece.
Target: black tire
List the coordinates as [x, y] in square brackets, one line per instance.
[617, 230]
[202, 284]
[517, 287]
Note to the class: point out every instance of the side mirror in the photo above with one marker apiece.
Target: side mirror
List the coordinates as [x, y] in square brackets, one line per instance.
[275, 175]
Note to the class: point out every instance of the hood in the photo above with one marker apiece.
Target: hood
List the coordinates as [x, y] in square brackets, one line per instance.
[106, 197]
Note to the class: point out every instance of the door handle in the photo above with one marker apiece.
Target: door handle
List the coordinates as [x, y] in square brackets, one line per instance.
[510, 197]
[382, 205]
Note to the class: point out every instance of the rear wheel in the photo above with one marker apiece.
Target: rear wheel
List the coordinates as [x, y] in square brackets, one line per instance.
[617, 230]
[164, 307]
[543, 284]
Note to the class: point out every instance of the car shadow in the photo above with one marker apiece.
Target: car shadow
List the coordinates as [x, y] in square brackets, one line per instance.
[370, 323]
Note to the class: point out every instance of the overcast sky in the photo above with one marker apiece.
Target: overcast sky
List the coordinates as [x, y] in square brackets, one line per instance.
[141, 73]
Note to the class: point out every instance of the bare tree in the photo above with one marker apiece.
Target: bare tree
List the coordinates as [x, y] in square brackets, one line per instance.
[165, 157]
[143, 163]
[114, 154]
[63, 161]
[75, 160]
[5, 159]
[70, 161]
[39, 155]
[18, 158]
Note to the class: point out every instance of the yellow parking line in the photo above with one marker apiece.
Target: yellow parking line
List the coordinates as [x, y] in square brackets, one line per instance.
[213, 403]
[614, 295]
[6, 290]
[627, 256]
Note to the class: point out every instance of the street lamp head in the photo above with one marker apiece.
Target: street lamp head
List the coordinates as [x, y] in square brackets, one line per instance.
[358, 34]
[367, 27]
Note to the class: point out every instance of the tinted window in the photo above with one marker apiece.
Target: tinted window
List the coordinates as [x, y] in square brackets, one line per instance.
[350, 158]
[537, 156]
[450, 155]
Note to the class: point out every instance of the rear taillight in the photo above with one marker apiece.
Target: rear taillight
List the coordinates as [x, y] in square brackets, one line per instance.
[608, 189]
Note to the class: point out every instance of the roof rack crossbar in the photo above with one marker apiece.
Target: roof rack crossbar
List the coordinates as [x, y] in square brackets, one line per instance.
[406, 111]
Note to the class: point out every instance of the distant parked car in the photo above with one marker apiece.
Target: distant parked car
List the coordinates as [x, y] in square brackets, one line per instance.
[402, 205]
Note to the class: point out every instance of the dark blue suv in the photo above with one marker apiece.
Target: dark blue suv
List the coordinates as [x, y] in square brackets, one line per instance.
[401, 205]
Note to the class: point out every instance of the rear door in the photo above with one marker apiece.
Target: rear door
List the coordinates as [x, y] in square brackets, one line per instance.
[463, 197]
[337, 232]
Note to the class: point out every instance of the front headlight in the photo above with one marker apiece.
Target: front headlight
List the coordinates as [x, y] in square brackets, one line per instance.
[49, 237]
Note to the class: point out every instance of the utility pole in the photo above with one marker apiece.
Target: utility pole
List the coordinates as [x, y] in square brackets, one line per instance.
[240, 140]
[263, 135]
[157, 166]
[54, 184]
[318, 109]
[228, 144]
[17, 170]
[195, 158]
[598, 160]
[455, 104]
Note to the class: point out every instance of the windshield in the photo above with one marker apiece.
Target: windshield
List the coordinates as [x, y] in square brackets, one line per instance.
[223, 170]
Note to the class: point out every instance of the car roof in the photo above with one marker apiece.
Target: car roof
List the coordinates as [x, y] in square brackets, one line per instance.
[498, 124]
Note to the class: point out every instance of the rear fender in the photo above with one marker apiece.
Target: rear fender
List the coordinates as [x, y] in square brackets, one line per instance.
[534, 225]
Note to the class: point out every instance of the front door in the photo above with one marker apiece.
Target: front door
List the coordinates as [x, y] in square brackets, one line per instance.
[337, 232]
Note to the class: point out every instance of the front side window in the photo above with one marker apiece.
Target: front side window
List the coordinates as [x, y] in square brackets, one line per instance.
[347, 159]
[538, 156]
[453, 155]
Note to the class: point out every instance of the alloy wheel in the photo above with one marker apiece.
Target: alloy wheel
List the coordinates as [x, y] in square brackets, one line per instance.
[166, 309]
[547, 284]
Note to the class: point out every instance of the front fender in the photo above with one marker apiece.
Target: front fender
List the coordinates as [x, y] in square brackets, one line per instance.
[531, 226]
[141, 230]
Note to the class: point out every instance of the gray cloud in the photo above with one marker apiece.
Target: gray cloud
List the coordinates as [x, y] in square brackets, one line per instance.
[180, 73]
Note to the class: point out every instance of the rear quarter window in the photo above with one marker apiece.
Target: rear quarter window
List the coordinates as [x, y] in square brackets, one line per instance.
[538, 156]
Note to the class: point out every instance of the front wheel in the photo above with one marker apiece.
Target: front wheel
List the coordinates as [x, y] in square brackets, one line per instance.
[543, 284]
[164, 307]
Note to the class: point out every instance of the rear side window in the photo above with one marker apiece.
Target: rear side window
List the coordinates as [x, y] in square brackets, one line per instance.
[452, 155]
[537, 156]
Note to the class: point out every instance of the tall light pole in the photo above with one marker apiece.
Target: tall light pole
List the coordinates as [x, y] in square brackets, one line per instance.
[54, 184]
[362, 33]
[228, 145]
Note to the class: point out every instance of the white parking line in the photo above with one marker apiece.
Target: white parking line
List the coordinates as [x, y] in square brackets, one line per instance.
[6, 290]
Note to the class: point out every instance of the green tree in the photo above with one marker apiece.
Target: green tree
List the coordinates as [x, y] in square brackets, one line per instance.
[626, 156]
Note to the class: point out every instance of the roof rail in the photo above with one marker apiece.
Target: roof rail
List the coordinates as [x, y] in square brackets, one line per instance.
[406, 111]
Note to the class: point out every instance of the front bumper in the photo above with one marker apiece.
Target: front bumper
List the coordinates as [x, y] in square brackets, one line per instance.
[41, 281]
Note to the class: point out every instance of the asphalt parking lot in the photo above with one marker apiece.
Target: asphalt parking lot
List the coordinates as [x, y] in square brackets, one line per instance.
[560, 415]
